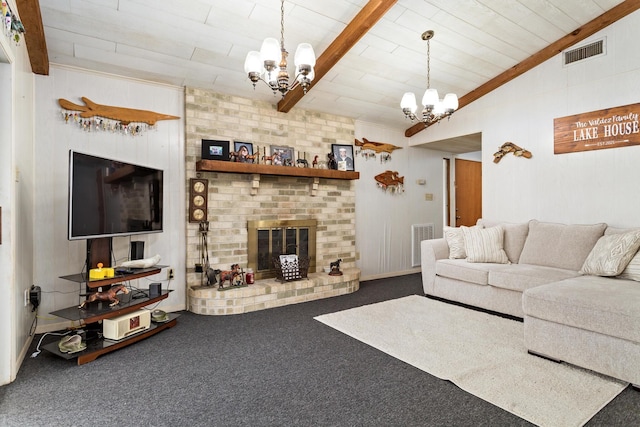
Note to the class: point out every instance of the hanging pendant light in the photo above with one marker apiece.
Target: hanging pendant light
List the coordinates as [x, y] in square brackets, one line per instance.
[434, 109]
[270, 64]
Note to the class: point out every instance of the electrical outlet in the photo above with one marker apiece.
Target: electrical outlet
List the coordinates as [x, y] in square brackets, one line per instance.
[170, 274]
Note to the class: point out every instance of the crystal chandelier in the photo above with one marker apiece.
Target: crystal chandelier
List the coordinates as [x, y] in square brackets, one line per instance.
[270, 64]
[435, 109]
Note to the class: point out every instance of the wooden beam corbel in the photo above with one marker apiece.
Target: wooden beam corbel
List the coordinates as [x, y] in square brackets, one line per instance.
[609, 17]
[358, 27]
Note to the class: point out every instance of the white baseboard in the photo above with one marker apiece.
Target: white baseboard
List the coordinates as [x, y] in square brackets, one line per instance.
[390, 274]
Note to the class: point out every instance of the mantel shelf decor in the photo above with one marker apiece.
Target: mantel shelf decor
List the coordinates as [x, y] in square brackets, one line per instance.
[98, 117]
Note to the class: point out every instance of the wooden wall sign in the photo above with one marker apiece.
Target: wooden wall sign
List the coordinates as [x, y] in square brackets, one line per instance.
[609, 128]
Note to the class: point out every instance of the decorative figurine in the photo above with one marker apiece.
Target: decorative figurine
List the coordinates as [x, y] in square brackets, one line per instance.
[230, 275]
[335, 268]
[211, 276]
[108, 295]
[332, 164]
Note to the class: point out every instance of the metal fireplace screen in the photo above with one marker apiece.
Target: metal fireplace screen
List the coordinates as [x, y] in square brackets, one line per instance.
[269, 239]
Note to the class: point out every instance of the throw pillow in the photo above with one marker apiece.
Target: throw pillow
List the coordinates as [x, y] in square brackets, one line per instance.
[455, 240]
[515, 234]
[632, 270]
[611, 254]
[484, 244]
[559, 245]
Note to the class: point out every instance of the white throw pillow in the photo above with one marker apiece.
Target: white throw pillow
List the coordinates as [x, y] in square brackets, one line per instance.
[611, 254]
[485, 244]
[455, 240]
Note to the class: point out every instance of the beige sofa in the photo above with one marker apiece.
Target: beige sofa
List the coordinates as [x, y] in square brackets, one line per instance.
[576, 286]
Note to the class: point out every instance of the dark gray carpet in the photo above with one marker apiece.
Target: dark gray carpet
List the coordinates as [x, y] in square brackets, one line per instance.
[270, 368]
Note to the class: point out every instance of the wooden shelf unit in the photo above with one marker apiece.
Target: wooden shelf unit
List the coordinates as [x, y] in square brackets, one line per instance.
[97, 311]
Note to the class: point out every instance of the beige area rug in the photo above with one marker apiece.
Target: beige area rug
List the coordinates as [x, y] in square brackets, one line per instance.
[482, 354]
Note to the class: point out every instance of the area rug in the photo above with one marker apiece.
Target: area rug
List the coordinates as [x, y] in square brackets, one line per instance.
[482, 354]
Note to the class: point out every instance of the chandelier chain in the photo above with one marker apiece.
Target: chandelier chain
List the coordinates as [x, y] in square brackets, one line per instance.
[282, 25]
[428, 64]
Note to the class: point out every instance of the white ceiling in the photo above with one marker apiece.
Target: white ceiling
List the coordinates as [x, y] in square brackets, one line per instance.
[203, 43]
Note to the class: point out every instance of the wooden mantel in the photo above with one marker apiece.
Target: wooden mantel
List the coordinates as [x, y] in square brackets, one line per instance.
[250, 168]
[257, 170]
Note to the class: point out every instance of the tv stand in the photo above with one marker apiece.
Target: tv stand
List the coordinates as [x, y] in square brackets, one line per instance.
[97, 311]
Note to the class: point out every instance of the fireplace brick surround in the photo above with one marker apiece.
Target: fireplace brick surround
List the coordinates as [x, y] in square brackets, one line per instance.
[231, 204]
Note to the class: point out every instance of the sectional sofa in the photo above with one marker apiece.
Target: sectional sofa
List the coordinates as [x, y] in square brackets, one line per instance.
[576, 287]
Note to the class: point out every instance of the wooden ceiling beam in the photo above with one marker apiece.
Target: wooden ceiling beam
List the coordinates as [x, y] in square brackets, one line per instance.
[29, 11]
[358, 27]
[609, 17]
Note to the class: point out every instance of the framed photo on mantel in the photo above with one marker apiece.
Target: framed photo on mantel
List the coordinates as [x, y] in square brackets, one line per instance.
[215, 150]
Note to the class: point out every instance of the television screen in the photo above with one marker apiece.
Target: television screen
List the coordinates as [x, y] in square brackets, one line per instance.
[111, 198]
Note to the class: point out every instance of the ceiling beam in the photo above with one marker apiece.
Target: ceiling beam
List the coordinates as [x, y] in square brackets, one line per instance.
[609, 17]
[358, 27]
[29, 11]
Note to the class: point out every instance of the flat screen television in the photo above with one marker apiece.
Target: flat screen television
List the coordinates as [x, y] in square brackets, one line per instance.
[110, 198]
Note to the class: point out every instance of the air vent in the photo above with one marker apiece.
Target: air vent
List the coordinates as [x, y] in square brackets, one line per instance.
[583, 52]
[419, 232]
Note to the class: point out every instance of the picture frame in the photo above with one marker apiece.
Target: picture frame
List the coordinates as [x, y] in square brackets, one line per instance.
[215, 150]
[345, 163]
[282, 156]
[243, 157]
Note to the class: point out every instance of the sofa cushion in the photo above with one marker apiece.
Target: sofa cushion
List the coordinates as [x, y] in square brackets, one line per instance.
[560, 245]
[484, 244]
[515, 234]
[455, 240]
[599, 304]
[611, 254]
[520, 277]
[460, 269]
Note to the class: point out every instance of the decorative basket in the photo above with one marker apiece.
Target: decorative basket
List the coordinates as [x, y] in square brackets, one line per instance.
[290, 267]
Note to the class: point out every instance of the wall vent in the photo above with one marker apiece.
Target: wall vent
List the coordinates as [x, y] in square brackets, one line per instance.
[419, 232]
[583, 52]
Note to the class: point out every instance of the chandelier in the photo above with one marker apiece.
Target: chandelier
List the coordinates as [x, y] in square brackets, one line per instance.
[435, 109]
[270, 64]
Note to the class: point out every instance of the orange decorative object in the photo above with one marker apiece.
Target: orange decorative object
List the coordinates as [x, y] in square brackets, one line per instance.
[124, 115]
[378, 147]
[390, 179]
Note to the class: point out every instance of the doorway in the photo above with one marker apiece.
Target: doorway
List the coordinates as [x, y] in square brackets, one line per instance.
[468, 192]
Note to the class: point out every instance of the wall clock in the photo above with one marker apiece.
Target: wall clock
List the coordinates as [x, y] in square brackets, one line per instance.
[198, 195]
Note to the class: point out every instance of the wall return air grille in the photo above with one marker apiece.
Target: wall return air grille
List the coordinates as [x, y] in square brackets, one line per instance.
[584, 52]
[419, 232]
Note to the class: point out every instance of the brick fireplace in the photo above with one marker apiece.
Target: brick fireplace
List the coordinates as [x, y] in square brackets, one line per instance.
[234, 201]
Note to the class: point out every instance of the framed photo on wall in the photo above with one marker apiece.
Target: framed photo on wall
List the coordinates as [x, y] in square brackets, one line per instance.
[215, 150]
[344, 156]
[282, 156]
[243, 151]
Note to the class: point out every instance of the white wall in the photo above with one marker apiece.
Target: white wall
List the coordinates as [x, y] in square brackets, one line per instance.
[383, 218]
[16, 197]
[161, 148]
[584, 187]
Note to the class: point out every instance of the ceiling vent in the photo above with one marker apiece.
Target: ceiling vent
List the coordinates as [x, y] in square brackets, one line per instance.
[583, 52]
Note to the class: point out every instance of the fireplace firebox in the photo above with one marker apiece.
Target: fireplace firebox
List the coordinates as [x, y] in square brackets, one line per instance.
[268, 239]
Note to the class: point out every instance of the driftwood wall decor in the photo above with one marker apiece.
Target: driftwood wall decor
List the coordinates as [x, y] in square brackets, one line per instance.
[378, 147]
[510, 147]
[121, 114]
